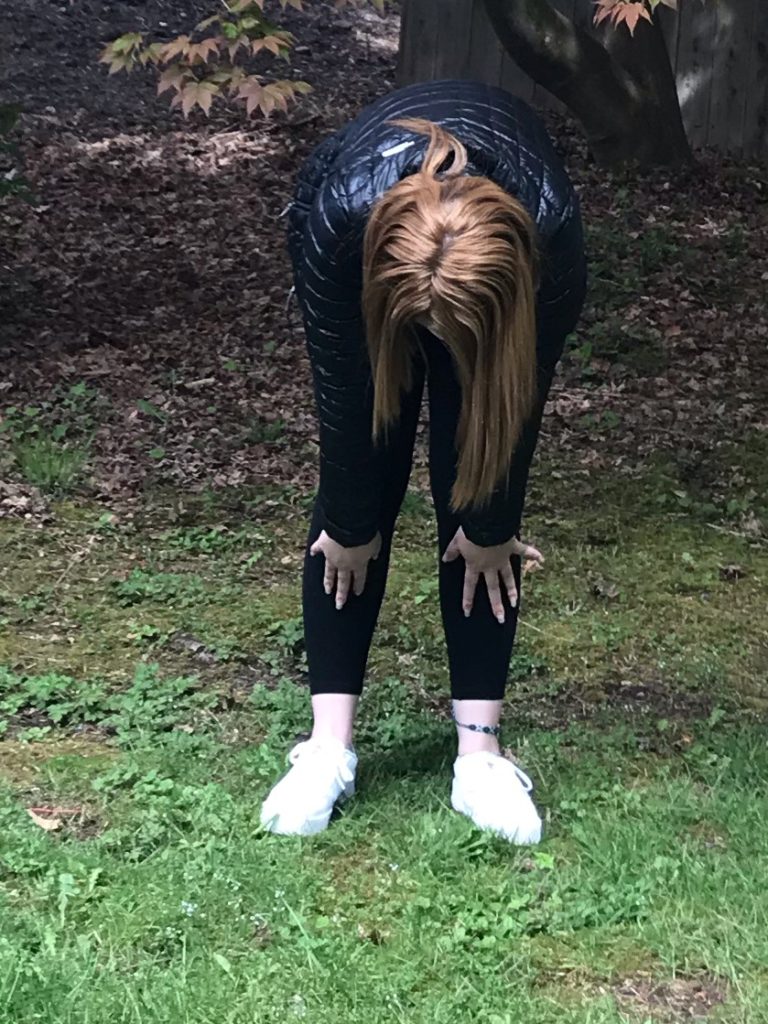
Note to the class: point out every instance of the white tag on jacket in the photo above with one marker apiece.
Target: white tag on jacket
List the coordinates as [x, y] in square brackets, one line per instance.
[397, 149]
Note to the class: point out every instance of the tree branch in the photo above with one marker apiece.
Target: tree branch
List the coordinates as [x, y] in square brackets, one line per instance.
[552, 49]
[606, 95]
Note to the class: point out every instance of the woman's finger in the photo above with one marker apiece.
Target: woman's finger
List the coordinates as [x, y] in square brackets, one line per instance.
[509, 582]
[316, 549]
[494, 594]
[534, 554]
[528, 551]
[360, 578]
[470, 586]
[329, 577]
[343, 581]
[451, 552]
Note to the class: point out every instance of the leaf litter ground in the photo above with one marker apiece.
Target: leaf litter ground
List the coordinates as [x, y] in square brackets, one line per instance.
[154, 268]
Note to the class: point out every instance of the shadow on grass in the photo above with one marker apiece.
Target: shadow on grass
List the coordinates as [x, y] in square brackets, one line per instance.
[430, 755]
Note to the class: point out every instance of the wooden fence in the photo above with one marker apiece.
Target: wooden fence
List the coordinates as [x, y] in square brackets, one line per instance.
[719, 51]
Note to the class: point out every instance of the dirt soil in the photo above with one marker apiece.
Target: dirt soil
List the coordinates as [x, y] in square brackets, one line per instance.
[153, 267]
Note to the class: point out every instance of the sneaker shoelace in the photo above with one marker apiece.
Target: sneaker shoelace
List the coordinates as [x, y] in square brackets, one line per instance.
[497, 762]
[308, 754]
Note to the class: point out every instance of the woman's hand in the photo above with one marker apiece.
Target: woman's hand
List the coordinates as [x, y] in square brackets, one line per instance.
[491, 563]
[345, 567]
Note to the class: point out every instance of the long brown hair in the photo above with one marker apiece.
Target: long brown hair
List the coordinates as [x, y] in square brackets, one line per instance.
[459, 252]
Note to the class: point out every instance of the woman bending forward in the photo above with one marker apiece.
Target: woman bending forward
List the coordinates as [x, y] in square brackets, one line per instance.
[435, 239]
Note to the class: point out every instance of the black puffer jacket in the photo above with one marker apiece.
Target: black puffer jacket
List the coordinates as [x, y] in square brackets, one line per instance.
[336, 190]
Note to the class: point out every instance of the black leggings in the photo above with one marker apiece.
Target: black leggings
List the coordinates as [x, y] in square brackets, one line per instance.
[479, 648]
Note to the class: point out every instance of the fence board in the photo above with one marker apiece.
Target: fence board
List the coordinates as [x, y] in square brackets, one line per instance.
[756, 113]
[698, 29]
[453, 31]
[732, 65]
[485, 51]
[719, 51]
[418, 31]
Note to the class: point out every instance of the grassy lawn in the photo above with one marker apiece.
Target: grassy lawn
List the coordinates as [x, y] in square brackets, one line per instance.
[152, 684]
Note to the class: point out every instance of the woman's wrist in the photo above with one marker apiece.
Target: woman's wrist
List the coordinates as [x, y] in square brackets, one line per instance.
[349, 538]
[490, 538]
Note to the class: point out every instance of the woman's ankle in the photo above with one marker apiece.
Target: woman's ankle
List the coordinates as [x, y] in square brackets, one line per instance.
[334, 717]
[476, 743]
[477, 726]
[324, 733]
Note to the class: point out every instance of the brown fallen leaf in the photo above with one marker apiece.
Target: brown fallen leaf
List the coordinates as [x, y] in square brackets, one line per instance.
[47, 824]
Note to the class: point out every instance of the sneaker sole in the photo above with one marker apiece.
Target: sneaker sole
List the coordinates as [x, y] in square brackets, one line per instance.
[461, 808]
[310, 826]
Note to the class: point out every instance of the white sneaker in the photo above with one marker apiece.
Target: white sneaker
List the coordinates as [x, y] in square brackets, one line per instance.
[301, 803]
[493, 792]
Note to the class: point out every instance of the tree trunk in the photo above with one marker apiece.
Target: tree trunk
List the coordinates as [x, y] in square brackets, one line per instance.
[622, 90]
[646, 58]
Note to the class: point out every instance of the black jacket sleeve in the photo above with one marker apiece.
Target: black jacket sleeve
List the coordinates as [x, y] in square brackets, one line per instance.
[329, 288]
[559, 304]
[563, 286]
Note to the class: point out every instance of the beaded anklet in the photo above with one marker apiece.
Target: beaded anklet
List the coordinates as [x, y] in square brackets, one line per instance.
[489, 730]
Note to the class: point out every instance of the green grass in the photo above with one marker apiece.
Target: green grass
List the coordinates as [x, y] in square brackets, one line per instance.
[49, 442]
[179, 908]
[46, 463]
[153, 681]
